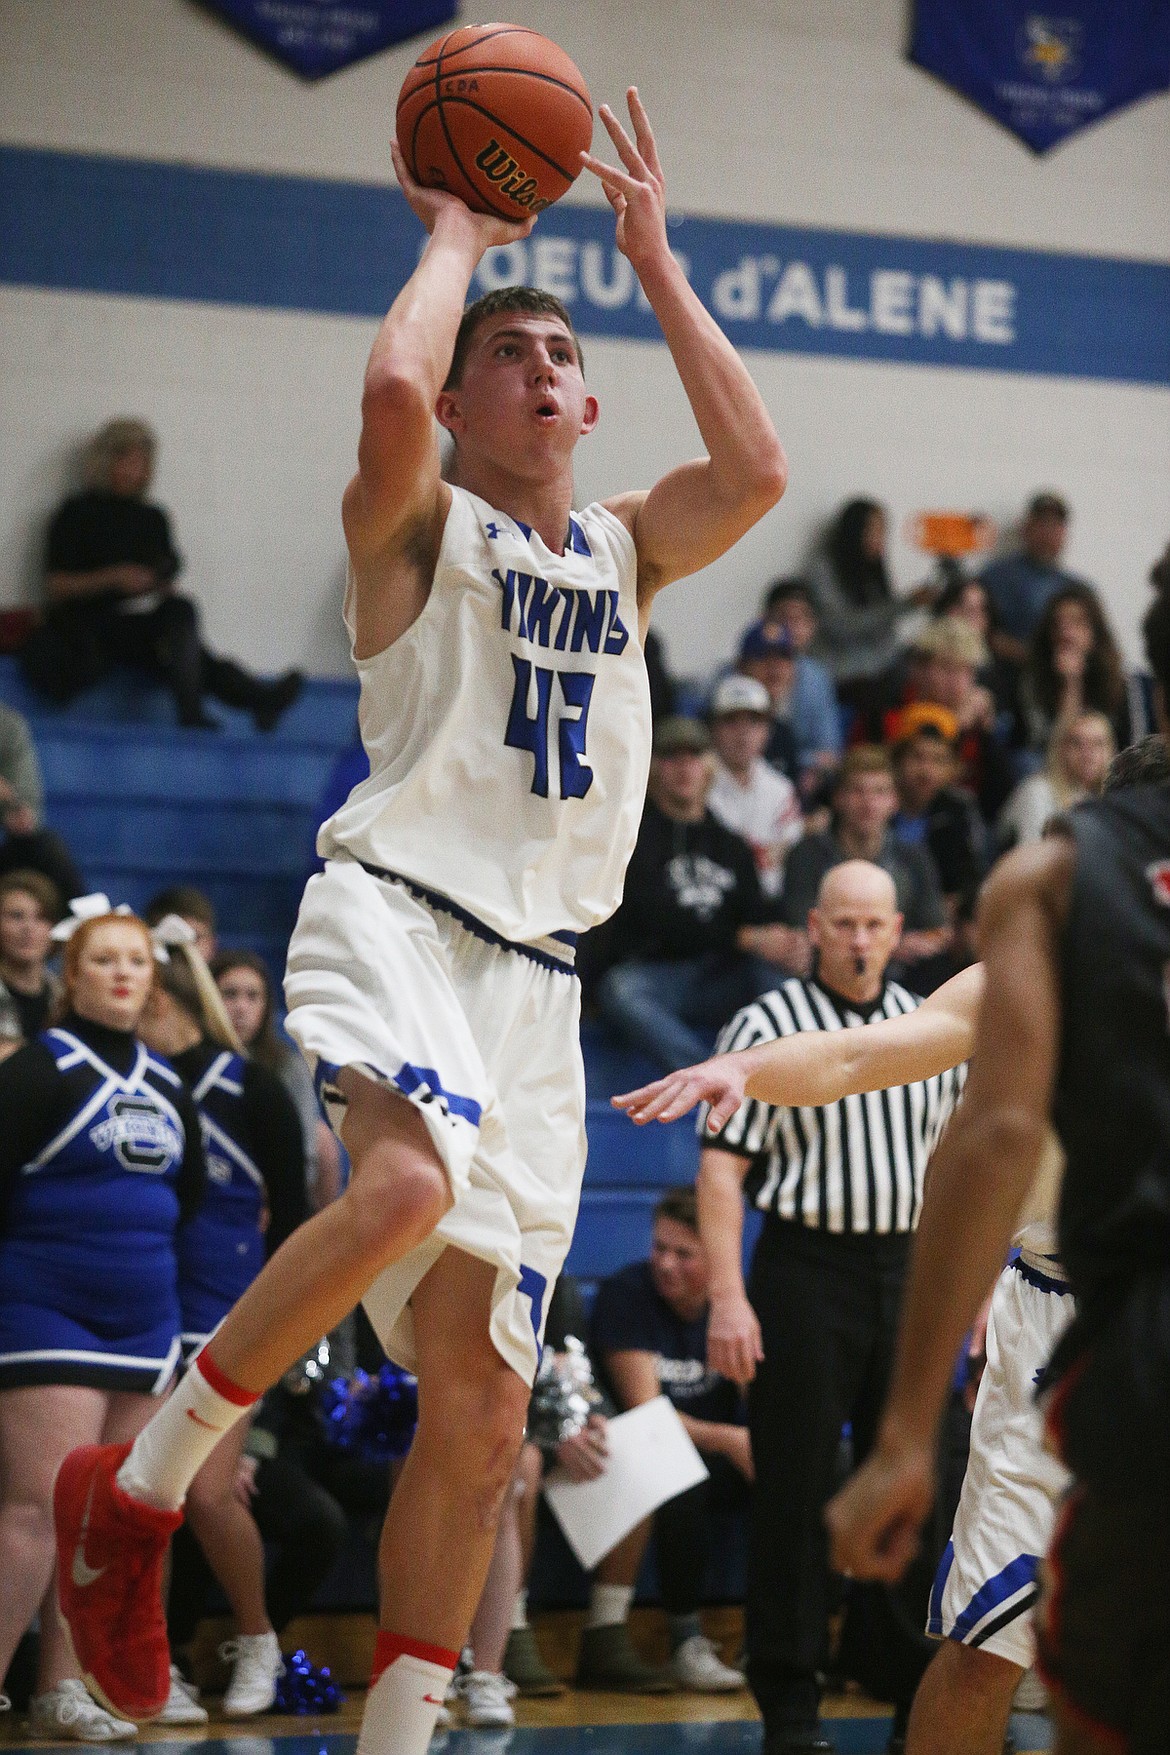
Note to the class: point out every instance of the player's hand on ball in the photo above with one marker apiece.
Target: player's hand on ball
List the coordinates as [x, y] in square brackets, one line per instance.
[875, 1519]
[637, 194]
[719, 1082]
[431, 204]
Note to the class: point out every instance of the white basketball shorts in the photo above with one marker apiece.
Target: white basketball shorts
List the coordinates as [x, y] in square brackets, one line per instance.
[485, 1040]
[985, 1587]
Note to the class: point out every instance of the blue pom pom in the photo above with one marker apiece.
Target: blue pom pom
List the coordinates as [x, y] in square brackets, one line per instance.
[371, 1417]
[305, 1689]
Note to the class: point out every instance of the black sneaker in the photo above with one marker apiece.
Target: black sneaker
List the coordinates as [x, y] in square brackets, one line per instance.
[608, 1662]
[524, 1665]
[278, 698]
[797, 1740]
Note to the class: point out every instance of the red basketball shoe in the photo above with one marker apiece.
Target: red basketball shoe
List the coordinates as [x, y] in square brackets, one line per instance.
[110, 1554]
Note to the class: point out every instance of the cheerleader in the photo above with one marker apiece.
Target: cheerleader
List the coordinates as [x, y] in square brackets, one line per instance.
[100, 1158]
[255, 1196]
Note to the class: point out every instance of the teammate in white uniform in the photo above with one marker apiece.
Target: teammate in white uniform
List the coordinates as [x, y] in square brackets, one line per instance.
[506, 713]
[981, 1605]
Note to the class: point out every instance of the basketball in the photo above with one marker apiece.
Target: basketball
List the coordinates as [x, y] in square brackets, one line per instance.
[497, 114]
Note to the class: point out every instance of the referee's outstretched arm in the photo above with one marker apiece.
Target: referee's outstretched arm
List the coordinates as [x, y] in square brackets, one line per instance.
[812, 1069]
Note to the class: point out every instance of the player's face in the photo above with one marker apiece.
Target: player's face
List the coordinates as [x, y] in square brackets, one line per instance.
[114, 974]
[24, 931]
[522, 403]
[678, 1266]
[245, 999]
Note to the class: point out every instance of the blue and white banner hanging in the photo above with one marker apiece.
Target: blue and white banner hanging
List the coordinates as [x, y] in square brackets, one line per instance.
[1046, 71]
[316, 37]
[137, 229]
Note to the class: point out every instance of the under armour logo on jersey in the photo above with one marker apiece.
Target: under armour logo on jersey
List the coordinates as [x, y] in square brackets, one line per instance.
[1159, 880]
[493, 530]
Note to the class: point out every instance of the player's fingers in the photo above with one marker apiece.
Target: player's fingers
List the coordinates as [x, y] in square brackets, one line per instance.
[611, 178]
[626, 150]
[722, 1110]
[643, 133]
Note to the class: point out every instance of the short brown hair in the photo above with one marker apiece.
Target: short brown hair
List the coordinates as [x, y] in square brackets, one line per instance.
[42, 889]
[185, 900]
[864, 758]
[680, 1205]
[525, 301]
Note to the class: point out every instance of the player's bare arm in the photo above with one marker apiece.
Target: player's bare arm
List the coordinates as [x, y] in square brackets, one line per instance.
[698, 511]
[806, 1071]
[979, 1177]
[393, 509]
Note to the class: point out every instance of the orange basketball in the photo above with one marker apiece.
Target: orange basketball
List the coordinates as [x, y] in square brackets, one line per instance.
[498, 115]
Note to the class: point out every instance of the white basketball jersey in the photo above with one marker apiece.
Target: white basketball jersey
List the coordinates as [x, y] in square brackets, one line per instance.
[508, 729]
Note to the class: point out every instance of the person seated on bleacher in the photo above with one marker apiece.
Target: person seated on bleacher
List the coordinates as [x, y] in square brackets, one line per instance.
[29, 909]
[649, 1338]
[192, 905]
[26, 845]
[110, 572]
[693, 938]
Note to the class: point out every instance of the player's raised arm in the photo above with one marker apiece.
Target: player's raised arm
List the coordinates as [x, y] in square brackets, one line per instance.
[808, 1070]
[394, 506]
[699, 510]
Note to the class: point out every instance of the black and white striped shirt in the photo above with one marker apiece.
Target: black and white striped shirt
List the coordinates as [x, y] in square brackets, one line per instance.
[856, 1165]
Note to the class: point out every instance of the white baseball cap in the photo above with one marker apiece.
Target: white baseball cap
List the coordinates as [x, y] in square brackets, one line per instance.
[740, 694]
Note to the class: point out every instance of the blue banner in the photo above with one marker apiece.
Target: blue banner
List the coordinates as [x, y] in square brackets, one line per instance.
[1046, 72]
[315, 37]
[168, 231]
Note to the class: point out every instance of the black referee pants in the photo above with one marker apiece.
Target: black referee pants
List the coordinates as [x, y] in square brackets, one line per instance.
[828, 1309]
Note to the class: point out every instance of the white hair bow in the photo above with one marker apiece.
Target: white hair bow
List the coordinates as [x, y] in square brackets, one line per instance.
[172, 929]
[83, 908]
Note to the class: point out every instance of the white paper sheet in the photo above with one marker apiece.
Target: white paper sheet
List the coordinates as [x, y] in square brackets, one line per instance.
[651, 1459]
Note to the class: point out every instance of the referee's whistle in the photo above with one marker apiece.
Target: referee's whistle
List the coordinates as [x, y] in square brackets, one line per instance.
[858, 964]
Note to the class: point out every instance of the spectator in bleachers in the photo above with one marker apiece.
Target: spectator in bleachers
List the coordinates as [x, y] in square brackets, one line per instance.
[936, 813]
[861, 622]
[748, 795]
[865, 799]
[29, 908]
[110, 571]
[966, 600]
[767, 656]
[649, 1336]
[1079, 753]
[253, 1200]
[693, 924]
[246, 989]
[813, 710]
[1073, 666]
[26, 843]
[192, 905]
[1021, 584]
[945, 661]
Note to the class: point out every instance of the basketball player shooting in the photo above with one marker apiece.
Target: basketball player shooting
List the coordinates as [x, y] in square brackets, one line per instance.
[505, 709]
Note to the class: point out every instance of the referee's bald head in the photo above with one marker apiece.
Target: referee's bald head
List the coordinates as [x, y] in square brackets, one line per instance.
[855, 927]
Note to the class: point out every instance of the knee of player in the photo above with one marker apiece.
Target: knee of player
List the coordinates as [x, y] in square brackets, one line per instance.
[30, 1522]
[393, 1198]
[478, 1435]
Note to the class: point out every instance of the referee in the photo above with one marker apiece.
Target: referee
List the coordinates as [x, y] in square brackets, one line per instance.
[813, 1334]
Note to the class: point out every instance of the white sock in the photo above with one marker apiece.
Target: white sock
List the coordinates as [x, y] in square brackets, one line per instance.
[172, 1447]
[520, 1611]
[406, 1692]
[609, 1604]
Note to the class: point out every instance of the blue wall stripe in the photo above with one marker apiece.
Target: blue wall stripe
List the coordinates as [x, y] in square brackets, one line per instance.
[171, 231]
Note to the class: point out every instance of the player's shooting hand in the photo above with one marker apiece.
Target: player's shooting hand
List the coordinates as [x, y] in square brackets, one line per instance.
[735, 1345]
[636, 193]
[434, 205]
[586, 1456]
[875, 1519]
[719, 1082]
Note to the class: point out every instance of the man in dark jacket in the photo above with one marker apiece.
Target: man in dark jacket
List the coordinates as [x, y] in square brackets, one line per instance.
[689, 943]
